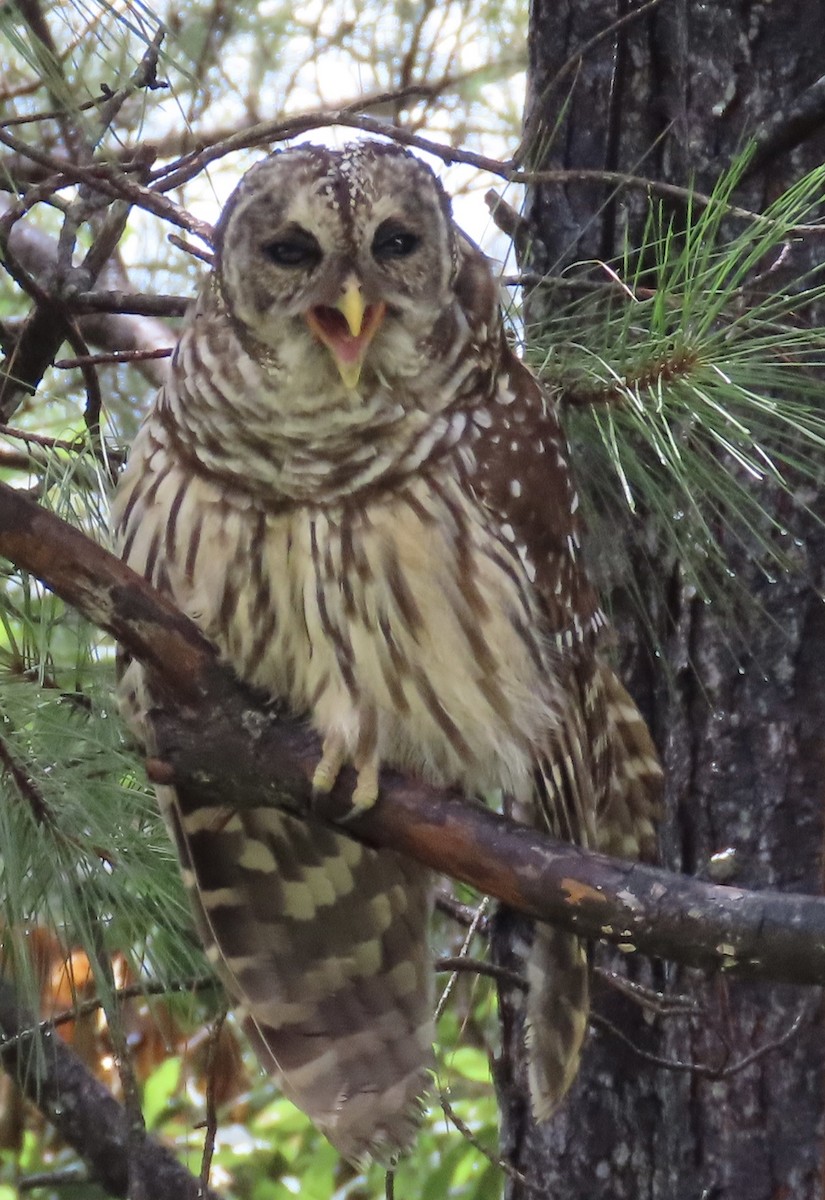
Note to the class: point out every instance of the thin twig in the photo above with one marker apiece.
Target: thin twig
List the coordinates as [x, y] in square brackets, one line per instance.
[133, 303]
[704, 1070]
[40, 439]
[766, 1048]
[468, 937]
[135, 991]
[114, 182]
[203, 256]
[113, 356]
[648, 998]
[468, 1135]
[463, 914]
[211, 1124]
[145, 75]
[475, 966]
[281, 130]
[91, 382]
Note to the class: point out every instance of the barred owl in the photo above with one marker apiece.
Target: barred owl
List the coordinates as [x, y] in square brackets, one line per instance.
[362, 496]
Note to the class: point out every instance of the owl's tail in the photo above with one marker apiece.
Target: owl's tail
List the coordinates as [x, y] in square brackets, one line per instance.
[626, 795]
[558, 1006]
[626, 825]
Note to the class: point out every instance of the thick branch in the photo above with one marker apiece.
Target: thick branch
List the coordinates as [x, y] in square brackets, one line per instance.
[84, 1112]
[106, 592]
[215, 743]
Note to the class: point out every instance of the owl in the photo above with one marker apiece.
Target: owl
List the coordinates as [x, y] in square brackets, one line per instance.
[358, 491]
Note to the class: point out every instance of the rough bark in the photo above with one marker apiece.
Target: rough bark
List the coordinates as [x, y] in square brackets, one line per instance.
[740, 713]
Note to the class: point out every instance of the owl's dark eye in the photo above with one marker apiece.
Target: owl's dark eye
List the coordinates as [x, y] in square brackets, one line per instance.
[295, 248]
[393, 240]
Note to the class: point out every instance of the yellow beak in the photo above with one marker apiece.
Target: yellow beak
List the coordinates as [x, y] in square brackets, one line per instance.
[351, 305]
[348, 347]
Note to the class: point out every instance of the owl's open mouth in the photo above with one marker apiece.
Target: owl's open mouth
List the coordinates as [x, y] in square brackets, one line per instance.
[347, 328]
[331, 327]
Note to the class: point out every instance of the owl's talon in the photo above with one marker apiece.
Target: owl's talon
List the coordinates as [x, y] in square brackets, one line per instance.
[365, 792]
[333, 754]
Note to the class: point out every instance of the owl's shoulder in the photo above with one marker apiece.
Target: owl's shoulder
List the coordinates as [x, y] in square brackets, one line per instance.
[522, 472]
[476, 289]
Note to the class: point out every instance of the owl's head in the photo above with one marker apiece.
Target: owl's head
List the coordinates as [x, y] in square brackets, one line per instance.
[347, 248]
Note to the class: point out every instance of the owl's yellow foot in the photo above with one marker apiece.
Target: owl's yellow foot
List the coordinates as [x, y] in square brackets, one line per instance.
[365, 792]
[333, 757]
[333, 754]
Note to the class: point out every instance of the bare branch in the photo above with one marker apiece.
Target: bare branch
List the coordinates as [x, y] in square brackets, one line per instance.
[114, 182]
[135, 991]
[459, 963]
[704, 1070]
[114, 356]
[211, 1126]
[129, 302]
[111, 330]
[281, 129]
[501, 1163]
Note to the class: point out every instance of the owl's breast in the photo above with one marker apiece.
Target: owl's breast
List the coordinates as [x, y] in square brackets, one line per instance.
[411, 625]
[409, 620]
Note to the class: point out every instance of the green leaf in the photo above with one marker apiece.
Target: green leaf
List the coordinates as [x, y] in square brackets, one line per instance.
[469, 1063]
[159, 1089]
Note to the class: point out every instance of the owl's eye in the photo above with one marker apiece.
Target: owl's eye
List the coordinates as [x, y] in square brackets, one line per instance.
[297, 248]
[392, 240]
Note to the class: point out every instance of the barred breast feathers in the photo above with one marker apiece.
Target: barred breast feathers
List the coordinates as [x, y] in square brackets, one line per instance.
[381, 617]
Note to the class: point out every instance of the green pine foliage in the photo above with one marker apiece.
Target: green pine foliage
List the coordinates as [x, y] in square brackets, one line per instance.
[82, 847]
[691, 374]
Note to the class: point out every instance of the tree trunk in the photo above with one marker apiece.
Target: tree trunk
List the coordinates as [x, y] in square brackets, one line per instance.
[737, 697]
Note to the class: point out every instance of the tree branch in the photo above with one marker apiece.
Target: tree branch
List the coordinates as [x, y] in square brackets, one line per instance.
[84, 1112]
[217, 744]
[36, 252]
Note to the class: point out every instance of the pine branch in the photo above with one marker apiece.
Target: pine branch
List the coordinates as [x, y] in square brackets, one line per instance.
[217, 745]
